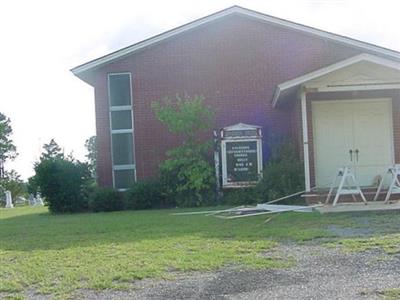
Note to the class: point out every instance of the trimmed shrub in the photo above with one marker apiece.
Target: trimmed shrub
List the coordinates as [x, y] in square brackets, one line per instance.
[60, 182]
[105, 199]
[144, 195]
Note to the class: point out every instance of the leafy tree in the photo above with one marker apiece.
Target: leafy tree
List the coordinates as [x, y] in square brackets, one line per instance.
[187, 176]
[187, 116]
[32, 186]
[61, 180]
[7, 148]
[12, 182]
[91, 156]
[52, 151]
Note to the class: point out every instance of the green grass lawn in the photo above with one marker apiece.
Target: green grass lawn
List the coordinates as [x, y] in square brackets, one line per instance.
[59, 254]
[388, 243]
[391, 294]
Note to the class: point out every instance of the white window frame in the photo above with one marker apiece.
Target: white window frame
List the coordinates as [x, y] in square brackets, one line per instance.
[120, 131]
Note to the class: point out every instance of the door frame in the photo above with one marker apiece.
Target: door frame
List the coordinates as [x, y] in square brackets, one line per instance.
[389, 99]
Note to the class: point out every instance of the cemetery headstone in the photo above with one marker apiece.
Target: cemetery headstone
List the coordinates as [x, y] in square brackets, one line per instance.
[9, 203]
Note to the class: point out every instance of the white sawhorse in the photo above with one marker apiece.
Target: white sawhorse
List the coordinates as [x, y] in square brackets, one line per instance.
[394, 187]
[343, 175]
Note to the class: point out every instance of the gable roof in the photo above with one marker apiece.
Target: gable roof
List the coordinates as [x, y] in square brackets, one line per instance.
[290, 85]
[234, 10]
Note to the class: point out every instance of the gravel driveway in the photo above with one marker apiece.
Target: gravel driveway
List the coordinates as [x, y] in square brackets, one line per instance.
[320, 273]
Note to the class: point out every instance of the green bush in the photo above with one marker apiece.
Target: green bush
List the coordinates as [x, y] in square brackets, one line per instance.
[106, 199]
[12, 182]
[60, 182]
[187, 176]
[283, 174]
[240, 196]
[144, 195]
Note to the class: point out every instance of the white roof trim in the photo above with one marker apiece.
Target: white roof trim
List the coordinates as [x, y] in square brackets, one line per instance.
[232, 10]
[240, 126]
[331, 68]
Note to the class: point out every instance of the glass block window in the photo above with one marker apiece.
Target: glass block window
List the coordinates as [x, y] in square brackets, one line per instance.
[121, 126]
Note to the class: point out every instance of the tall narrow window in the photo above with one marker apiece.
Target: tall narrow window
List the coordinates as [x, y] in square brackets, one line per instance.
[121, 123]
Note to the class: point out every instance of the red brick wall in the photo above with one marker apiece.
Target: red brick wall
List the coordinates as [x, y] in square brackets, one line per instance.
[104, 163]
[235, 63]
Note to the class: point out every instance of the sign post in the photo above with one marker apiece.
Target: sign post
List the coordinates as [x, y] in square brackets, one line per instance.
[241, 147]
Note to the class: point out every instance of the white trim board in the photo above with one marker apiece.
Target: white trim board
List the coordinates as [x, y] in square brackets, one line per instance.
[223, 13]
[306, 153]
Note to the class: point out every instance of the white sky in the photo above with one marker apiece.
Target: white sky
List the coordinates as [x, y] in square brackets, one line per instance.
[42, 40]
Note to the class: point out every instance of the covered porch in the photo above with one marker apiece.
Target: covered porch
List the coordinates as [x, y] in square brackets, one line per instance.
[350, 117]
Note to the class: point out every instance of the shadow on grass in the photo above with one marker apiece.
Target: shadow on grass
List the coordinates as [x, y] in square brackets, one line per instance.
[35, 229]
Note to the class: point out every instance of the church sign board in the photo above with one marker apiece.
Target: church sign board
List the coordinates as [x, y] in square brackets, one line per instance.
[241, 155]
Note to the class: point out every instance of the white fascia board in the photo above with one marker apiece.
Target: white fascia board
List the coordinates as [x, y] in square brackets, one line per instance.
[331, 68]
[229, 11]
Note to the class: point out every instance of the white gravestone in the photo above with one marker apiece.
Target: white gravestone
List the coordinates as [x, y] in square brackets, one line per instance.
[9, 203]
[39, 200]
[32, 200]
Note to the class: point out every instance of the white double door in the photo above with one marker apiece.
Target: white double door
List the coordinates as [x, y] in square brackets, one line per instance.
[356, 133]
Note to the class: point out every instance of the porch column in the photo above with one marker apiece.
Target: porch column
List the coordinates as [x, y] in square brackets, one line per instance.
[303, 98]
